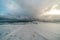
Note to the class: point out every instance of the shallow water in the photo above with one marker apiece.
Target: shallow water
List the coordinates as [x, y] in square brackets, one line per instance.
[30, 31]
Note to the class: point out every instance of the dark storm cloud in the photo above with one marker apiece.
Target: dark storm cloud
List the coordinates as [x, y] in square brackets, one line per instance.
[21, 9]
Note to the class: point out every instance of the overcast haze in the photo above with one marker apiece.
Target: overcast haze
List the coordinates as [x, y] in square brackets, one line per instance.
[25, 8]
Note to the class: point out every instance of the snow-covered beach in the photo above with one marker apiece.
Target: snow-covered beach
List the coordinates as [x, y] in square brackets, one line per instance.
[30, 31]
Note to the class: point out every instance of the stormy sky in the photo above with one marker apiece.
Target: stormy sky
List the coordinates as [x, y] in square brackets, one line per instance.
[20, 9]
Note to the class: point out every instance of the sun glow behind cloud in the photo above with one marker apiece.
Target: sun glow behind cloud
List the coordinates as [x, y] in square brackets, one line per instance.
[52, 11]
[52, 14]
